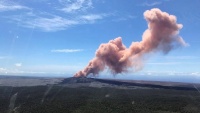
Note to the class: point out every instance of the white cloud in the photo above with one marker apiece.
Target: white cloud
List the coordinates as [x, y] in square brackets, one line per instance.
[151, 4]
[53, 68]
[3, 69]
[75, 5]
[67, 50]
[7, 6]
[195, 73]
[164, 63]
[42, 69]
[4, 57]
[12, 71]
[50, 24]
[18, 64]
[124, 18]
[91, 17]
[170, 73]
[182, 57]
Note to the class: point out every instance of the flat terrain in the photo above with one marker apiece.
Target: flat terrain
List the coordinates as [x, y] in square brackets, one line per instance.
[83, 95]
[18, 81]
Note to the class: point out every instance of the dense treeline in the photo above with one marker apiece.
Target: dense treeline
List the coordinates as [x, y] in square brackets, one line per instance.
[59, 99]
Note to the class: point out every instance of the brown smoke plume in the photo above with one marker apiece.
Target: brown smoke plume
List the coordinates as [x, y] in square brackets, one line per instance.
[162, 35]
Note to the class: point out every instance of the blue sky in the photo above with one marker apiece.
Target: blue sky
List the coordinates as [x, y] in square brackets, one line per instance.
[61, 36]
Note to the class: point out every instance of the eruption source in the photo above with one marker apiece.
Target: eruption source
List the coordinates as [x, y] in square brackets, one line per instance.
[162, 35]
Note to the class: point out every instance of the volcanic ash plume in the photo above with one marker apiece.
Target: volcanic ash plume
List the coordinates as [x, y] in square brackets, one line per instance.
[162, 35]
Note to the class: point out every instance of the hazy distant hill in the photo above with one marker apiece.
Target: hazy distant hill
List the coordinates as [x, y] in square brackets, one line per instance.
[95, 82]
[18, 81]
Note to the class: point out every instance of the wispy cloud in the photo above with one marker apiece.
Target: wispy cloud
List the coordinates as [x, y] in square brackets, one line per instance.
[3, 69]
[18, 64]
[182, 57]
[50, 24]
[53, 68]
[91, 17]
[151, 4]
[66, 50]
[8, 6]
[41, 69]
[171, 73]
[74, 6]
[164, 63]
[195, 73]
[124, 18]
[4, 57]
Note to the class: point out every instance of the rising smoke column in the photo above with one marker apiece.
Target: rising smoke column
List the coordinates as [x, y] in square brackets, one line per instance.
[162, 35]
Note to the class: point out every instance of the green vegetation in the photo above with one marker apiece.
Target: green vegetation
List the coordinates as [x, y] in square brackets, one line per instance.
[61, 99]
